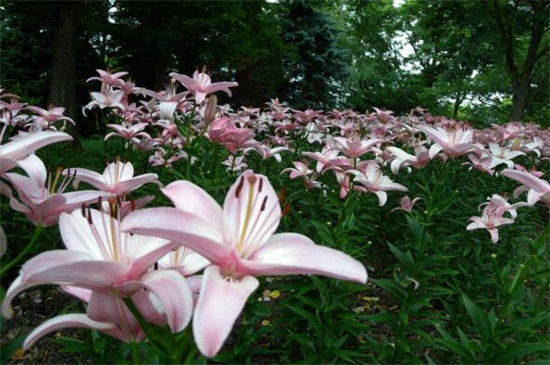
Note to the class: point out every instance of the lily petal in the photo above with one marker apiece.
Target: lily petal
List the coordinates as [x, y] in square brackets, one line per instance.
[173, 224]
[251, 212]
[174, 294]
[220, 303]
[65, 321]
[191, 198]
[292, 253]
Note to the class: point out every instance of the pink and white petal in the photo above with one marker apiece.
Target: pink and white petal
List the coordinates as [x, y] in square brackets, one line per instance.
[88, 176]
[80, 293]
[95, 275]
[76, 198]
[251, 210]
[104, 307]
[146, 260]
[220, 302]
[534, 196]
[494, 234]
[185, 80]
[65, 321]
[434, 150]
[292, 253]
[477, 223]
[118, 171]
[35, 168]
[174, 295]
[527, 179]
[126, 186]
[138, 246]
[193, 199]
[43, 261]
[77, 234]
[112, 309]
[502, 221]
[22, 146]
[204, 237]
[15, 288]
[199, 96]
[382, 197]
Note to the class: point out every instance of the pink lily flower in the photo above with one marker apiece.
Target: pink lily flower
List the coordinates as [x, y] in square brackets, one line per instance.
[240, 243]
[355, 149]
[118, 178]
[501, 203]
[41, 200]
[108, 78]
[300, 170]
[491, 218]
[453, 143]
[130, 132]
[23, 145]
[53, 114]
[502, 155]
[537, 188]
[109, 99]
[201, 85]
[376, 182]
[112, 315]
[404, 159]
[102, 264]
[406, 204]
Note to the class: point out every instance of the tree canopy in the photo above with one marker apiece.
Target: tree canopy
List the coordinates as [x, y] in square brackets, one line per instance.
[485, 61]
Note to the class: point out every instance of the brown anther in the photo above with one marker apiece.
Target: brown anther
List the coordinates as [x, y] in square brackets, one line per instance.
[260, 186]
[83, 210]
[252, 179]
[89, 216]
[239, 188]
[262, 207]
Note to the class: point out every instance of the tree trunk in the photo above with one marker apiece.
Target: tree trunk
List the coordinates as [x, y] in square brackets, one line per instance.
[63, 77]
[521, 79]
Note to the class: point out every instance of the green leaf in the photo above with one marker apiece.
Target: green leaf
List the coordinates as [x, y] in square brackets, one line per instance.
[417, 230]
[7, 350]
[451, 344]
[479, 318]
[302, 313]
[405, 259]
[390, 285]
[519, 350]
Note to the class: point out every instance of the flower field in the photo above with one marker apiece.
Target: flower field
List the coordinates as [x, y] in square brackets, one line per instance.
[193, 232]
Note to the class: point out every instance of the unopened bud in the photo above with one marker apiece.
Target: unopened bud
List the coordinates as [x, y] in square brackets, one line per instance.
[210, 109]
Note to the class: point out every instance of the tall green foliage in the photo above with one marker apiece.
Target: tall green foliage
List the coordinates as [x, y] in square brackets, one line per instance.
[315, 72]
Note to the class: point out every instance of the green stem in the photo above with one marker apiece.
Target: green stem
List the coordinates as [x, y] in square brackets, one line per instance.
[135, 353]
[160, 345]
[37, 233]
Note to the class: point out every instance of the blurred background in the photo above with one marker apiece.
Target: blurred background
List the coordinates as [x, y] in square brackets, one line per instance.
[481, 61]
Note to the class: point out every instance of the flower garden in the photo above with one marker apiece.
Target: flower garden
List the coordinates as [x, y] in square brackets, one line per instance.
[192, 232]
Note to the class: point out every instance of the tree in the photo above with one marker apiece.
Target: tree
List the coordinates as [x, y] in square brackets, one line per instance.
[316, 70]
[378, 77]
[522, 27]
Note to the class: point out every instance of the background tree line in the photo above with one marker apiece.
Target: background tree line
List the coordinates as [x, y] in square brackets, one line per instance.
[485, 61]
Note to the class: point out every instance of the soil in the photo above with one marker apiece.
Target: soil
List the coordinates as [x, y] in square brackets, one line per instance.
[32, 308]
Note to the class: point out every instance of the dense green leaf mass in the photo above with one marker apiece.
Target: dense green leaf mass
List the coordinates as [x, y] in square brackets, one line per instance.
[482, 61]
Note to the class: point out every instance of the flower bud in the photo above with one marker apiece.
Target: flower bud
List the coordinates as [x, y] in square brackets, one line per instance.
[210, 109]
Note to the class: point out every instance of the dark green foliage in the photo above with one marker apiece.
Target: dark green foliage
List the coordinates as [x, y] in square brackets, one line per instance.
[315, 70]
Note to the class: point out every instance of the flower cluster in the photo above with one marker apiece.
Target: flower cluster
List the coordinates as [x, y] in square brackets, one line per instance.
[196, 261]
[119, 257]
